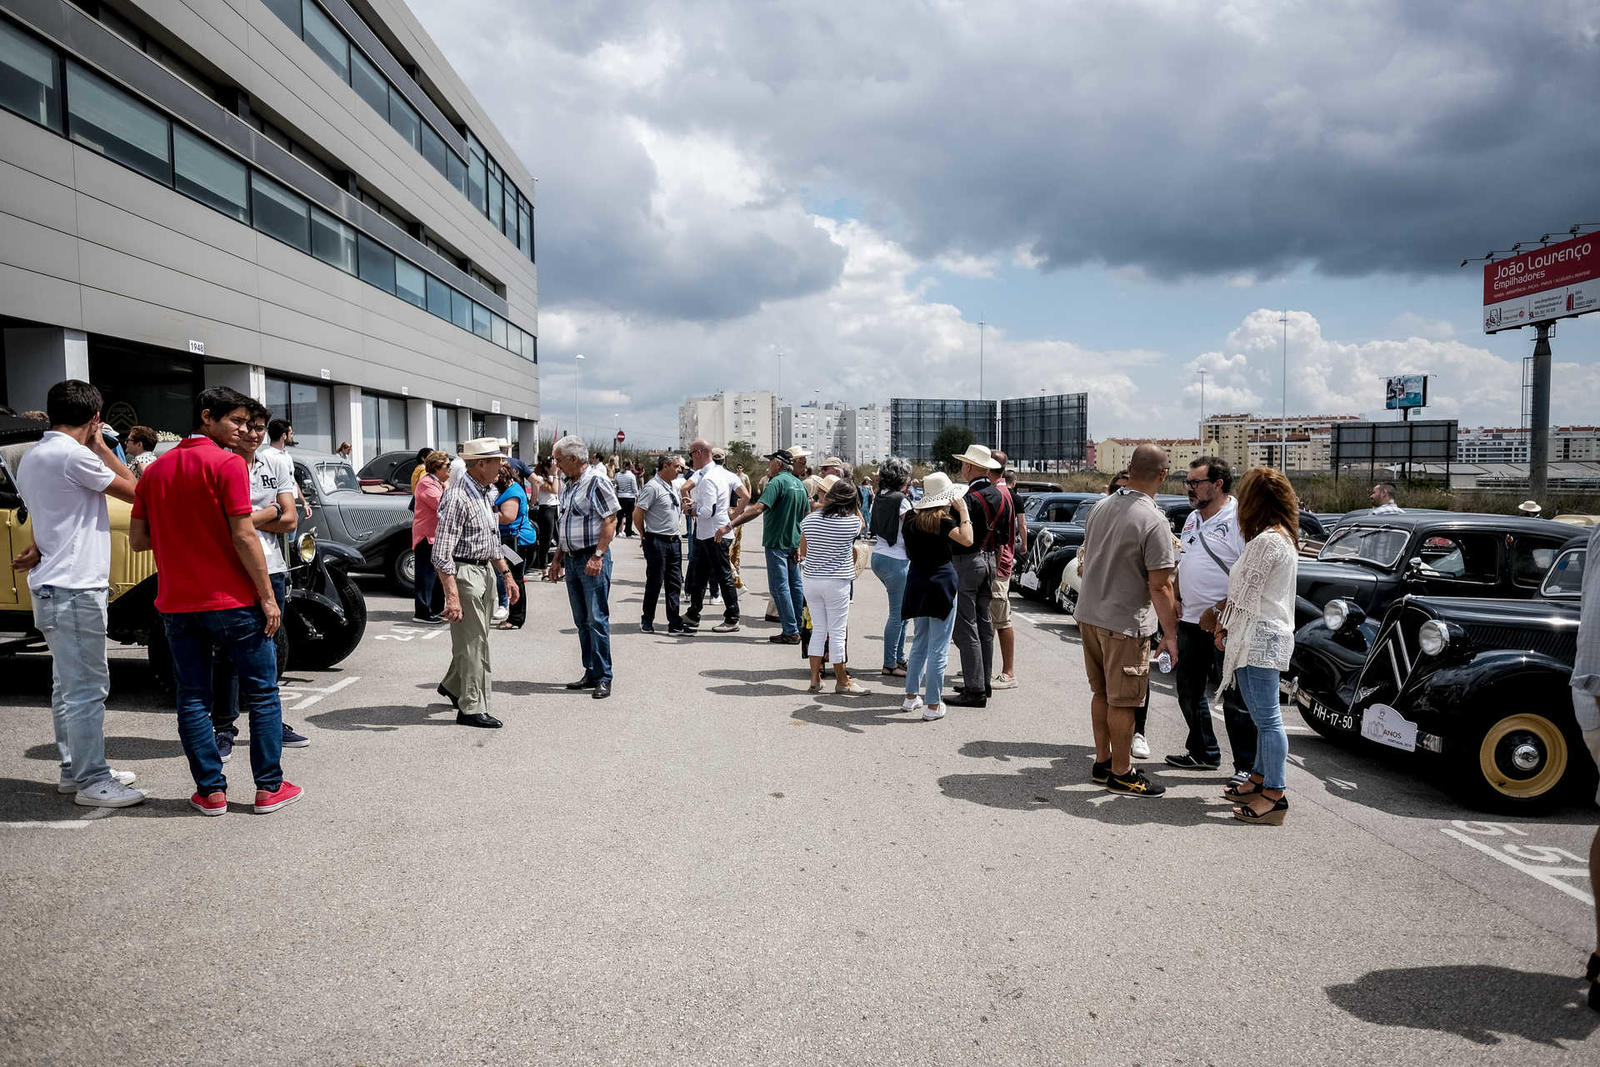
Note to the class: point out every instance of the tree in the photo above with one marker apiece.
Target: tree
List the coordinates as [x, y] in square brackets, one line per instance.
[741, 452]
[952, 441]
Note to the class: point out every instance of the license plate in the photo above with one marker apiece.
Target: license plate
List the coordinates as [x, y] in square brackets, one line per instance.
[1029, 581]
[1337, 720]
[1385, 725]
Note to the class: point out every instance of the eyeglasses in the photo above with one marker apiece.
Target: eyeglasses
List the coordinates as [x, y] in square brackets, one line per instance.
[1194, 483]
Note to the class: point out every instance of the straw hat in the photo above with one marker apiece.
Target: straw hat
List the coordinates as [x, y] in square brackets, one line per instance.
[798, 453]
[481, 448]
[826, 484]
[978, 456]
[938, 490]
[1529, 507]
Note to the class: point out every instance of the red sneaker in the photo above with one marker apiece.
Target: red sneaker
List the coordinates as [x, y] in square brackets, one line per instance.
[269, 802]
[210, 803]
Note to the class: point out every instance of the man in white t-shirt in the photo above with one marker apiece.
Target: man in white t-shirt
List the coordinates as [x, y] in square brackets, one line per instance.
[272, 489]
[706, 497]
[280, 437]
[1212, 544]
[64, 481]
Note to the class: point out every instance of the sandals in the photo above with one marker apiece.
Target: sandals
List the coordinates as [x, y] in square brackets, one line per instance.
[1273, 816]
[814, 687]
[853, 688]
[1240, 790]
[898, 671]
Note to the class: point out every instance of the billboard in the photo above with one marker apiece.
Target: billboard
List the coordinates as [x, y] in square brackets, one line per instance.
[1387, 444]
[1407, 391]
[1551, 282]
[1045, 430]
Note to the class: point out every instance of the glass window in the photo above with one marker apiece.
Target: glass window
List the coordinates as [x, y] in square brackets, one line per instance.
[403, 117]
[369, 429]
[30, 78]
[308, 406]
[376, 262]
[326, 40]
[475, 182]
[438, 298]
[369, 82]
[460, 310]
[332, 241]
[525, 231]
[456, 171]
[497, 195]
[513, 339]
[210, 175]
[434, 151]
[497, 330]
[480, 321]
[288, 11]
[391, 424]
[530, 348]
[444, 429]
[410, 283]
[116, 125]
[279, 213]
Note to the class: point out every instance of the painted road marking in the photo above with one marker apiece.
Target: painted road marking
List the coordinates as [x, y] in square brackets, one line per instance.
[298, 698]
[70, 824]
[1540, 862]
[402, 632]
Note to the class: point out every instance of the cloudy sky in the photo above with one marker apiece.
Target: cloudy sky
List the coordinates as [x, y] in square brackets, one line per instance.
[1124, 193]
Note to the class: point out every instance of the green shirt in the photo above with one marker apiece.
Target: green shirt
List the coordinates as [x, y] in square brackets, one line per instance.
[786, 504]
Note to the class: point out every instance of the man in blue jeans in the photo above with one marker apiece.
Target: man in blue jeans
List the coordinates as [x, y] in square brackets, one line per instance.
[785, 503]
[64, 480]
[587, 523]
[193, 510]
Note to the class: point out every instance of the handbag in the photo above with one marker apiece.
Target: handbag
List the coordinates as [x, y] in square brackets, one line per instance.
[862, 551]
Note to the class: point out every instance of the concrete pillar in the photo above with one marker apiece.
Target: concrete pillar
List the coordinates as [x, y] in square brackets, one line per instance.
[245, 377]
[528, 441]
[419, 424]
[463, 427]
[347, 422]
[38, 357]
[497, 426]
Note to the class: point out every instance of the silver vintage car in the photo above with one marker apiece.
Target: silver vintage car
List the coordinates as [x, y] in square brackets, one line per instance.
[376, 525]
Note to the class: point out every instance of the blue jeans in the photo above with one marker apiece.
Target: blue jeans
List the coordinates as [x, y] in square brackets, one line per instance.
[238, 633]
[783, 583]
[1259, 687]
[73, 622]
[930, 652]
[892, 573]
[225, 683]
[591, 611]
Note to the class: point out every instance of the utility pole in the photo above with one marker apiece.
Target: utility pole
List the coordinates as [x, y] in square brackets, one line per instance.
[1283, 412]
[1202, 408]
[980, 359]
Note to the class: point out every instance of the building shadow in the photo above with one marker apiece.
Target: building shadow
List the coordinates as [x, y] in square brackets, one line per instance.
[22, 800]
[118, 748]
[846, 713]
[1482, 1003]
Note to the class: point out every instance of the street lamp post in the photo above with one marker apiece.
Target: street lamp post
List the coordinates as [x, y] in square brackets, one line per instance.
[577, 388]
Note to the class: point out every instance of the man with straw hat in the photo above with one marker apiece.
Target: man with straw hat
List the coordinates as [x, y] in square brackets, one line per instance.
[993, 521]
[466, 549]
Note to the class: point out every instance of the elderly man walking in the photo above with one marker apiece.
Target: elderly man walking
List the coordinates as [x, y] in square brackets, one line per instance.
[706, 496]
[586, 527]
[993, 518]
[1127, 589]
[656, 511]
[466, 548]
[785, 502]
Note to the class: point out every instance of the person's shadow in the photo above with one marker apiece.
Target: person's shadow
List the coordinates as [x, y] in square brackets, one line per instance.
[1479, 1002]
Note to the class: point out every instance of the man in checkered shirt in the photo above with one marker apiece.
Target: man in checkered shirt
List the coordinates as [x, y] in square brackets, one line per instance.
[584, 528]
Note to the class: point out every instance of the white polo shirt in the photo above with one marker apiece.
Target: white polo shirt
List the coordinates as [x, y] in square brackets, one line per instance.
[1201, 581]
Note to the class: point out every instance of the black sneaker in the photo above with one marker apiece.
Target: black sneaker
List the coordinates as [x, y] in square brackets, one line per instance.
[293, 739]
[1184, 761]
[1134, 784]
[225, 747]
[675, 628]
[1100, 772]
[647, 627]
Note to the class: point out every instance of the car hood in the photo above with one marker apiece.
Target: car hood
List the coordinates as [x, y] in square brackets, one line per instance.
[1321, 581]
[1482, 611]
[370, 515]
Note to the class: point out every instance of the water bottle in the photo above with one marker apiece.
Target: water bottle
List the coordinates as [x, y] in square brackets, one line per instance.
[1164, 661]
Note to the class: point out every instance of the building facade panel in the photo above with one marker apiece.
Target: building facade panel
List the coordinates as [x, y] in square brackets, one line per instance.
[914, 423]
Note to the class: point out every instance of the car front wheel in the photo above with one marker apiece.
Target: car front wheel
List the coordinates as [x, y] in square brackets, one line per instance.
[1516, 762]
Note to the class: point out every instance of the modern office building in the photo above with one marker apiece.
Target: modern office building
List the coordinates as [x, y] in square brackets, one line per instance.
[1045, 432]
[297, 198]
[724, 418]
[913, 424]
[855, 435]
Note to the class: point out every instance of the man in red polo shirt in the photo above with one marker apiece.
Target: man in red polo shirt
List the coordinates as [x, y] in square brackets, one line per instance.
[193, 509]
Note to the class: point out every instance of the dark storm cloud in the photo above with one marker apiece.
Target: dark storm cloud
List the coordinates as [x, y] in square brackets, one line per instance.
[1177, 138]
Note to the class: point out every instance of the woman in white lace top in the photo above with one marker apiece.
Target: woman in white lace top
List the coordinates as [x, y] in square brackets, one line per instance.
[1256, 630]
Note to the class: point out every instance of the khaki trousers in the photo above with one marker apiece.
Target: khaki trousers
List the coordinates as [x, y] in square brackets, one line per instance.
[469, 677]
[733, 557]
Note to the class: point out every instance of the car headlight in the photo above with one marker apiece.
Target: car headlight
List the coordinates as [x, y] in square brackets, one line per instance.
[1335, 614]
[1434, 637]
[308, 547]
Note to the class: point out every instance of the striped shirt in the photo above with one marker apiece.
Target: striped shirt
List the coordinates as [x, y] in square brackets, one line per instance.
[467, 527]
[829, 545]
[585, 506]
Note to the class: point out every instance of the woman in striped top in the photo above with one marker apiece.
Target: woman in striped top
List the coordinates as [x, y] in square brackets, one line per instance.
[827, 569]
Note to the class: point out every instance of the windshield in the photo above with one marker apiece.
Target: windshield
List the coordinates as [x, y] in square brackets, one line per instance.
[1366, 544]
[1566, 575]
[337, 478]
[1083, 511]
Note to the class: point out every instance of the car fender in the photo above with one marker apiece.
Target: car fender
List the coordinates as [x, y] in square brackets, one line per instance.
[1460, 692]
[333, 554]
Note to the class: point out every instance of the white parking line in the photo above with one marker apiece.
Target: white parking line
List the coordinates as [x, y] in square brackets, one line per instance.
[1535, 861]
[73, 824]
[297, 699]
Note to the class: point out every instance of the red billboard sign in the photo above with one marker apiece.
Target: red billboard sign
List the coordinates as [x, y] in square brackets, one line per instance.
[1548, 283]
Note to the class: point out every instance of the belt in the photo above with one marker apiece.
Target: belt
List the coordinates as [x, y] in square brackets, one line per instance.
[475, 562]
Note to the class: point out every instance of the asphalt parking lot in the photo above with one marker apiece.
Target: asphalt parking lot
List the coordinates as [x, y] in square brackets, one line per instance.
[716, 867]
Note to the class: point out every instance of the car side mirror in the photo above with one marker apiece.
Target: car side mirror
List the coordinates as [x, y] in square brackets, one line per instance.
[1414, 567]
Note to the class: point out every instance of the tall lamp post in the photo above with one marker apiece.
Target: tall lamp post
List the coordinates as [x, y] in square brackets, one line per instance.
[577, 387]
[1283, 412]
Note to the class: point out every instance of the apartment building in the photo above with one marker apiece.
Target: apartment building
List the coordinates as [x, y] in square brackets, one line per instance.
[723, 418]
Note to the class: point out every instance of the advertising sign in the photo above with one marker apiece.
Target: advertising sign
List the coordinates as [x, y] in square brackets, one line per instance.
[1407, 391]
[1551, 282]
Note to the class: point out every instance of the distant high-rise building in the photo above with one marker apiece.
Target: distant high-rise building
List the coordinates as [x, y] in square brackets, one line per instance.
[1509, 444]
[724, 418]
[813, 426]
[1254, 440]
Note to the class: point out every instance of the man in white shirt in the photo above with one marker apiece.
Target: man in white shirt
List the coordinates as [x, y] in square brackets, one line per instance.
[64, 481]
[280, 437]
[1212, 544]
[1383, 500]
[705, 497]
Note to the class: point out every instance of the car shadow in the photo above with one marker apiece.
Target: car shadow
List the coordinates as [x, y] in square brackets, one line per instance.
[133, 686]
[22, 800]
[118, 748]
[1482, 1003]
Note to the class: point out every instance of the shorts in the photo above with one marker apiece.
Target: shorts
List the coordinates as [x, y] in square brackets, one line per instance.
[1118, 665]
[1000, 603]
[1587, 713]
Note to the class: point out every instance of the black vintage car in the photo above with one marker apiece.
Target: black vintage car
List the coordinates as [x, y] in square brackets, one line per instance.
[1372, 560]
[1479, 684]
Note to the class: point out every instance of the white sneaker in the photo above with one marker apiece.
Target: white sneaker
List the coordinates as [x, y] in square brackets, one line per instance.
[109, 793]
[930, 714]
[912, 704]
[1140, 748]
[70, 785]
[1003, 681]
[500, 615]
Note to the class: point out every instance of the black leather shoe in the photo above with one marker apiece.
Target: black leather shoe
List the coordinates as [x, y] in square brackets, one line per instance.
[451, 697]
[585, 682]
[601, 690]
[650, 627]
[483, 719]
[967, 699]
